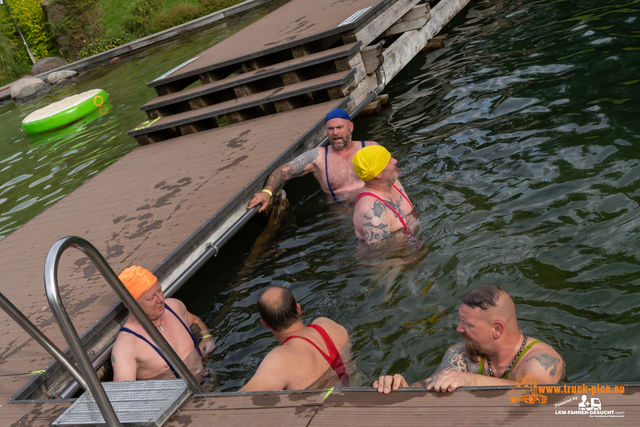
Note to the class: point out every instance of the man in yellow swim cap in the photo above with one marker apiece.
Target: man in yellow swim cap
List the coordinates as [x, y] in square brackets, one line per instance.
[495, 351]
[382, 206]
[135, 355]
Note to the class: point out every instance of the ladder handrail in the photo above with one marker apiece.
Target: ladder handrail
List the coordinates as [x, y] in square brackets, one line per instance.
[71, 335]
[41, 339]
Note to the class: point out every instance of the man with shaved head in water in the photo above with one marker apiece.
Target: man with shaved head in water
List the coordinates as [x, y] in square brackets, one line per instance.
[134, 355]
[309, 357]
[496, 352]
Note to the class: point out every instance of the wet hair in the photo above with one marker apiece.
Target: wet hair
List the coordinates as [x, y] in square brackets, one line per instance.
[278, 313]
[483, 297]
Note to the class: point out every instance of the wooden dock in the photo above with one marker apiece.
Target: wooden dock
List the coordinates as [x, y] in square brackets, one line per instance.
[221, 122]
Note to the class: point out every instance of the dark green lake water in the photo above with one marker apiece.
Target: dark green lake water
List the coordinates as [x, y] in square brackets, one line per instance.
[518, 144]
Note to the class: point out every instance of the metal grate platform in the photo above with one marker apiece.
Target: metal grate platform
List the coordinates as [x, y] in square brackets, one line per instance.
[136, 403]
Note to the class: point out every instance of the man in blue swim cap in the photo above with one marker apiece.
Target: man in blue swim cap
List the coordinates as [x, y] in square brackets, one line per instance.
[331, 165]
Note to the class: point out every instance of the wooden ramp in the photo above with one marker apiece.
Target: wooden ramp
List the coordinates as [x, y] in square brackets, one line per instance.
[303, 54]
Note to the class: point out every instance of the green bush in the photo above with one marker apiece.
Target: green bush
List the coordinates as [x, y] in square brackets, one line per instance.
[175, 16]
[210, 6]
[33, 24]
[10, 68]
[141, 12]
[76, 23]
[102, 45]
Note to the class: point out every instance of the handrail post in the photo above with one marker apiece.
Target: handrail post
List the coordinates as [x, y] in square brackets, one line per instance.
[71, 335]
[41, 339]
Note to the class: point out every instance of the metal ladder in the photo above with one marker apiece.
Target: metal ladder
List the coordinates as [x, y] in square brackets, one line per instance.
[172, 392]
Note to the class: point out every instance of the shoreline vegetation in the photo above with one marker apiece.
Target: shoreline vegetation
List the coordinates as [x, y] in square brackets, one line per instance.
[77, 29]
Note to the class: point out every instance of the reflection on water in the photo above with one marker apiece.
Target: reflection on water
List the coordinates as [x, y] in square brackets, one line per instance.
[518, 146]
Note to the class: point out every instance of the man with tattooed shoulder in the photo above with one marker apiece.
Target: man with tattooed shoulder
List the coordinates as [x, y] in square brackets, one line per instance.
[496, 352]
[382, 206]
[331, 165]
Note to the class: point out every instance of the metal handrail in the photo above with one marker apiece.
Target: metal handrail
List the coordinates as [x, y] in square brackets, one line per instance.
[41, 339]
[71, 335]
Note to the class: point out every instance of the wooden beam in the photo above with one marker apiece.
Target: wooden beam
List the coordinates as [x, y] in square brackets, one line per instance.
[196, 103]
[300, 51]
[372, 57]
[354, 62]
[435, 43]
[398, 55]
[415, 19]
[383, 21]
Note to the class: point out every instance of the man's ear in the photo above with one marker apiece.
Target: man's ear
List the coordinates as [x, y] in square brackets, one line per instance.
[298, 309]
[498, 330]
[351, 127]
[264, 323]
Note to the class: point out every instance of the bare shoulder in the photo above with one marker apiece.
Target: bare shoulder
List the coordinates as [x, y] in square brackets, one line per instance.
[369, 143]
[544, 362]
[125, 343]
[325, 322]
[177, 306]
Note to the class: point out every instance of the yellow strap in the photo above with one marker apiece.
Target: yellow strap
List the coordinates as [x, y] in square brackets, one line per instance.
[328, 393]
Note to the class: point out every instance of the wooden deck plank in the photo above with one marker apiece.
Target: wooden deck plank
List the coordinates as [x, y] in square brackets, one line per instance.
[345, 51]
[292, 24]
[244, 102]
[40, 414]
[229, 402]
[276, 417]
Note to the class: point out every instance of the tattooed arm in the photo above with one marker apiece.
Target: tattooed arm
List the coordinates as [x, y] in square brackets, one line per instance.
[371, 219]
[301, 165]
[456, 359]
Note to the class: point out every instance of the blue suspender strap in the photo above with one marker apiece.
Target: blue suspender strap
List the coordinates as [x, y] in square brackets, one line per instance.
[195, 343]
[153, 347]
[326, 171]
[362, 144]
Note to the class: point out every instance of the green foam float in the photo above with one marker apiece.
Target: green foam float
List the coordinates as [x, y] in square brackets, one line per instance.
[63, 112]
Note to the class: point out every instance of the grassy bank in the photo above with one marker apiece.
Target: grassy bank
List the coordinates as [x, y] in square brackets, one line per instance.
[83, 28]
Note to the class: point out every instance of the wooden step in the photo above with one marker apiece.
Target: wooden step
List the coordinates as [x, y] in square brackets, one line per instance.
[284, 98]
[297, 24]
[189, 97]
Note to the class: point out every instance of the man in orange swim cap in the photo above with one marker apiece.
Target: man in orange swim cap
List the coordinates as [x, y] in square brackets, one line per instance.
[135, 355]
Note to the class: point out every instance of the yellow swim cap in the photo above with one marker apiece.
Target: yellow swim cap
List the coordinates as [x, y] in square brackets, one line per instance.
[137, 280]
[370, 161]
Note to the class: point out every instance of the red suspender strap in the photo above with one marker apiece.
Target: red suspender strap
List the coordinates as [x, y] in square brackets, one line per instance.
[361, 195]
[403, 195]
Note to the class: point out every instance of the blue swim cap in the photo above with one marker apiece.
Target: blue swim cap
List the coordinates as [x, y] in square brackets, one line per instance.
[338, 113]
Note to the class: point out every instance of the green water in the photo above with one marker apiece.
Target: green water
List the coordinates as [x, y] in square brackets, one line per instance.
[518, 146]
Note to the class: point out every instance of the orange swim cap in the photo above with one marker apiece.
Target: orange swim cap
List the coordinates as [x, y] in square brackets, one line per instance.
[137, 280]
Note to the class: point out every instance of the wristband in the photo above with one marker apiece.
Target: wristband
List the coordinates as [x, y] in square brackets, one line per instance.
[268, 192]
[206, 336]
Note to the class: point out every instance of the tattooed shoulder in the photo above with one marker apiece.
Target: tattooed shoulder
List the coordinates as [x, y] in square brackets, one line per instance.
[550, 363]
